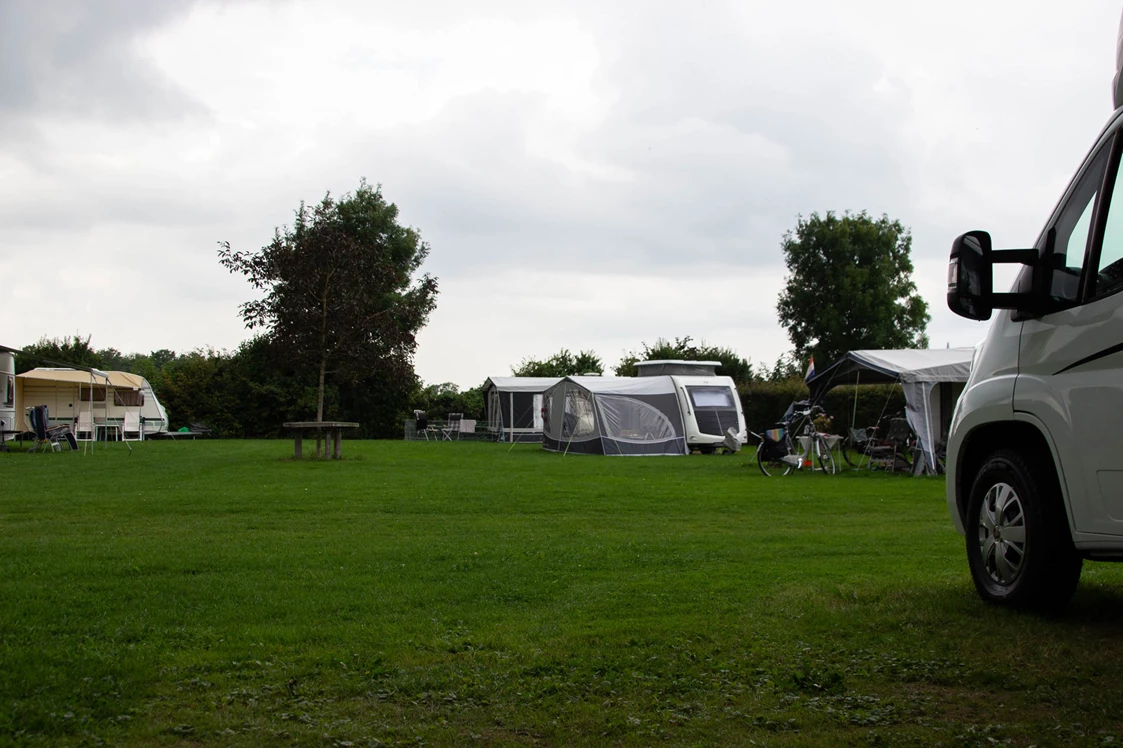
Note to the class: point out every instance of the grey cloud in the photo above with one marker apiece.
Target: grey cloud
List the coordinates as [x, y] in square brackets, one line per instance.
[75, 58]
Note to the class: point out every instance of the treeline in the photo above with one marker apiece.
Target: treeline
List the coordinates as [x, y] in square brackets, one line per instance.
[251, 391]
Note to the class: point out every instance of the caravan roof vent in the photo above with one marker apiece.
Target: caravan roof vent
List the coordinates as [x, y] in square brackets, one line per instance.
[679, 368]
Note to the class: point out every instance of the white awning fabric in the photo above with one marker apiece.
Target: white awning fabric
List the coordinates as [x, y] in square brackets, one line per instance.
[521, 384]
[118, 379]
[918, 371]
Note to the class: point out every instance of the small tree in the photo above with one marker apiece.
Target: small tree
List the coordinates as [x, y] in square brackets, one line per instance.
[850, 286]
[340, 291]
[561, 364]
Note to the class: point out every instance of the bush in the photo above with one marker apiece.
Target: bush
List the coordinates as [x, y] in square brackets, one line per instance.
[764, 403]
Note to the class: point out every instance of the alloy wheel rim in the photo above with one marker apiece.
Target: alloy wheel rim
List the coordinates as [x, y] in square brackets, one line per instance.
[1002, 533]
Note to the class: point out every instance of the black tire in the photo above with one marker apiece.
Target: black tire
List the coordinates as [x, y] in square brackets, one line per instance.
[772, 466]
[705, 449]
[855, 455]
[1018, 543]
[824, 456]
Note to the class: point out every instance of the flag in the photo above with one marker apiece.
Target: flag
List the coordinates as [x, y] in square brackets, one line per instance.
[810, 369]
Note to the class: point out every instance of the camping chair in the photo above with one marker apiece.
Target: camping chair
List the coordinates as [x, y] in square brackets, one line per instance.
[46, 436]
[85, 426]
[452, 426]
[891, 452]
[422, 425]
[899, 437]
[133, 425]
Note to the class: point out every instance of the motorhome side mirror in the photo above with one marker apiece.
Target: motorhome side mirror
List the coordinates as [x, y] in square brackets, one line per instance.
[970, 276]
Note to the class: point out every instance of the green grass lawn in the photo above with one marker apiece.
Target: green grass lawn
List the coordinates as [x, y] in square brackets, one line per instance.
[219, 593]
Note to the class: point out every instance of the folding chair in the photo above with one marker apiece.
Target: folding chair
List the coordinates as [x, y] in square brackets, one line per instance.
[46, 436]
[899, 437]
[85, 426]
[452, 426]
[133, 425]
[422, 423]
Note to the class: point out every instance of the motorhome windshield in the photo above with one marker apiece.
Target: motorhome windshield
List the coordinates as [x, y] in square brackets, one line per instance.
[710, 397]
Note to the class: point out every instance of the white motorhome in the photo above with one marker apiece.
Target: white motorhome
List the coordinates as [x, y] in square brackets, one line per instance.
[709, 403]
[1035, 457]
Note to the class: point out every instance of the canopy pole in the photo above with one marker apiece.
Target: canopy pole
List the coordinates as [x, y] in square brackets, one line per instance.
[854, 412]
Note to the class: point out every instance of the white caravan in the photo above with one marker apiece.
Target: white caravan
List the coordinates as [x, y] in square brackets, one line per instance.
[1035, 454]
[7, 395]
[710, 404]
[76, 397]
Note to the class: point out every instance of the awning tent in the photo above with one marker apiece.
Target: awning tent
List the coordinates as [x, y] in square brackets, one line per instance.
[931, 379]
[514, 407]
[614, 416]
[65, 392]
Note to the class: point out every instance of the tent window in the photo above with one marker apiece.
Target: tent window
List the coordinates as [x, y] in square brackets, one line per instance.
[84, 394]
[580, 418]
[128, 397]
[710, 397]
[634, 420]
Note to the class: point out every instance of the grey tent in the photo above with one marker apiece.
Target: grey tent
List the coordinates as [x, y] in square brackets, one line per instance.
[514, 407]
[932, 380]
[614, 416]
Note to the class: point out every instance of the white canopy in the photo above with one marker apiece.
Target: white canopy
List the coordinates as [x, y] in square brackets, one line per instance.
[521, 384]
[918, 371]
[894, 365]
[627, 385]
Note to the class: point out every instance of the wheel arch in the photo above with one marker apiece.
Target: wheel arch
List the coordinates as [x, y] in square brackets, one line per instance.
[1025, 436]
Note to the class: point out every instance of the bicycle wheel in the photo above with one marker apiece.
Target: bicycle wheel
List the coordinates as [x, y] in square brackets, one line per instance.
[824, 456]
[770, 464]
[857, 456]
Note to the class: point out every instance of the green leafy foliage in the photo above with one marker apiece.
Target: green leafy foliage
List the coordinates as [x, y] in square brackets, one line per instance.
[763, 403]
[561, 364]
[438, 400]
[342, 296]
[251, 391]
[850, 287]
[72, 351]
[684, 349]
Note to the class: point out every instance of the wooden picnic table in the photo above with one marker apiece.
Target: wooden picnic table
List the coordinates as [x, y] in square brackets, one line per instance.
[334, 431]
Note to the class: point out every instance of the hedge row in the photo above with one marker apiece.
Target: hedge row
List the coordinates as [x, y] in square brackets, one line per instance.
[765, 402]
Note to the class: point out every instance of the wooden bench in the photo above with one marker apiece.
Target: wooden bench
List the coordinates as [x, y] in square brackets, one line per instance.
[334, 431]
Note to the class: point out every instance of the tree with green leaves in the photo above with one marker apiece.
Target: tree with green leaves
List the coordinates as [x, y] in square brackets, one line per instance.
[342, 293]
[561, 364]
[740, 370]
[72, 351]
[850, 286]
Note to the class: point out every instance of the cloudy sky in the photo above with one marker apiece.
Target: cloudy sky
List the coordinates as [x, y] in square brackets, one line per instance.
[589, 175]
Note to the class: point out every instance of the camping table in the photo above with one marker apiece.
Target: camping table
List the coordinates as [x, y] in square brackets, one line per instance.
[334, 431]
[173, 435]
[105, 428]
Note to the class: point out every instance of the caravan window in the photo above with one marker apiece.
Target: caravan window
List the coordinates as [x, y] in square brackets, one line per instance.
[711, 397]
[128, 397]
[84, 394]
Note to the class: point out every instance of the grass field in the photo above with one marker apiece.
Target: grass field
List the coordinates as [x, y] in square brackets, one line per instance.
[218, 593]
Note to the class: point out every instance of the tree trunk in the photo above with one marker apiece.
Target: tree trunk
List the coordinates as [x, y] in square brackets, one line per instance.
[323, 362]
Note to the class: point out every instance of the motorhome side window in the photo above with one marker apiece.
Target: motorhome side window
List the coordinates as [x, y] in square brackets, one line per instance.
[1074, 225]
[1109, 267]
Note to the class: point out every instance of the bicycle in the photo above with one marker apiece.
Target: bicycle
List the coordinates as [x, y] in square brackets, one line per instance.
[778, 453]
